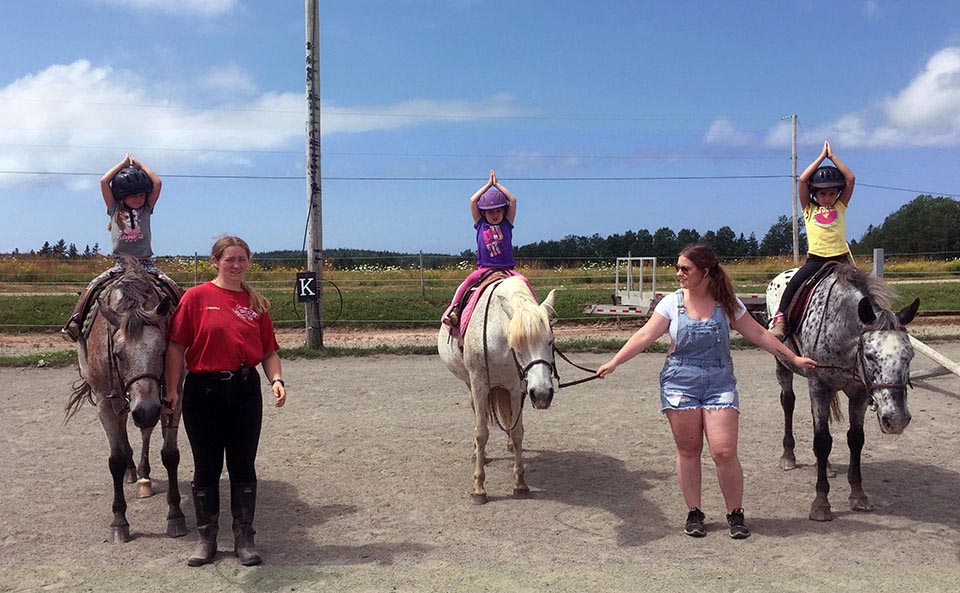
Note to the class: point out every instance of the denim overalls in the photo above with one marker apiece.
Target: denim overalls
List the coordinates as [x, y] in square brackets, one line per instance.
[699, 372]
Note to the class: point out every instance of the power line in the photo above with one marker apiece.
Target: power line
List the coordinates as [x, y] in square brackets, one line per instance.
[447, 179]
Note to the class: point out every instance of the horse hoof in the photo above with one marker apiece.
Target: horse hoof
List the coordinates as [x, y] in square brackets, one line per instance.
[120, 535]
[478, 499]
[144, 488]
[130, 476]
[860, 505]
[521, 493]
[821, 515]
[176, 527]
[787, 464]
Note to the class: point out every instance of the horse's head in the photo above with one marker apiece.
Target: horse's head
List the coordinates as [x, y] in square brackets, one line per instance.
[885, 358]
[530, 335]
[138, 343]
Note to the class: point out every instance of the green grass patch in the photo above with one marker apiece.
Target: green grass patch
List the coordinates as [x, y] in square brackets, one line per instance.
[61, 358]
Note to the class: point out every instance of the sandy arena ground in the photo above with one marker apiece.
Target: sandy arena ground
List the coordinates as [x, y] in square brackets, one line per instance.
[365, 475]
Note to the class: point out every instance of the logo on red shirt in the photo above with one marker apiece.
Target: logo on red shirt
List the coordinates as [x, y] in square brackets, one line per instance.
[245, 314]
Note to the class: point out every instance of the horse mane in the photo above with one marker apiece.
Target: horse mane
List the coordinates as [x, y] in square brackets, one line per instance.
[879, 292]
[136, 286]
[529, 322]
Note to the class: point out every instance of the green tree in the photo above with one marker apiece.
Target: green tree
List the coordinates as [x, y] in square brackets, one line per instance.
[925, 225]
[665, 243]
[779, 239]
[687, 236]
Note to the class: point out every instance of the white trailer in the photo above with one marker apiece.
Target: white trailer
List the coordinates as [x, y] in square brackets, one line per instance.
[635, 292]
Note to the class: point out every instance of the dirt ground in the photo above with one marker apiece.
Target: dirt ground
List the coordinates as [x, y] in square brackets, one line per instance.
[365, 475]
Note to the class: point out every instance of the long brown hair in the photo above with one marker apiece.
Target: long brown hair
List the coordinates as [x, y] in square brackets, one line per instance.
[258, 302]
[721, 287]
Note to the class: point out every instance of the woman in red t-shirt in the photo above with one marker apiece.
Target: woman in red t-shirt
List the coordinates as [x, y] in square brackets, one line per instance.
[224, 329]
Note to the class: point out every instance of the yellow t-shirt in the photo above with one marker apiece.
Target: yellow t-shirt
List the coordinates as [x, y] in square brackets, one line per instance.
[826, 229]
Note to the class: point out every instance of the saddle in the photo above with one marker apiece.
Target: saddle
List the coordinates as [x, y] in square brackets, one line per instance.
[468, 301]
[798, 306]
[90, 304]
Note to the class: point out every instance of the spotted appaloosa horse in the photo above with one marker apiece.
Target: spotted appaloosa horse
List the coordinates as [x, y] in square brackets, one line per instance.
[862, 349]
[505, 355]
[121, 370]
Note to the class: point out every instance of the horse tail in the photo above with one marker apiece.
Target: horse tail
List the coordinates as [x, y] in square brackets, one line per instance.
[836, 412]
[500, 408]
[81, 389]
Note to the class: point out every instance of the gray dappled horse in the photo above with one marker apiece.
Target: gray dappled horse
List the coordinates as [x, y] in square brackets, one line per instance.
[861, 348]
[505, 355]
[121, 370]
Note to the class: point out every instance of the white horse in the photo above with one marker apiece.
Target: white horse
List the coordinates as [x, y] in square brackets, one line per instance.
[505, 355]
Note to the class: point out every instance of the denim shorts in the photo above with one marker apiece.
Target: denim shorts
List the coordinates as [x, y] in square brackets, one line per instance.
[692, 383]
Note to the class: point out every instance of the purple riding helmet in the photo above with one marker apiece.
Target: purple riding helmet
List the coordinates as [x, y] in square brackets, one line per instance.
[491, 199]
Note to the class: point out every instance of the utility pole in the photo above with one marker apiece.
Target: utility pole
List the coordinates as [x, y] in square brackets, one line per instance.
[314, 309]
[793, 179]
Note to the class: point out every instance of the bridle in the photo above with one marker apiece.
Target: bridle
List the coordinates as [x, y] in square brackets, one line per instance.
[113, 362]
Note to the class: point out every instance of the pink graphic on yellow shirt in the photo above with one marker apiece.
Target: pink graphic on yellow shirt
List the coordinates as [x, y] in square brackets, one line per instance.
[492, 238]
[826, 216]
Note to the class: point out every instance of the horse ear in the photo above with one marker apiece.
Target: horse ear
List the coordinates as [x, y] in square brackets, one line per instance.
[907, 314]
[548, 304]
[865, 311]
[109, 314]
[507, 307]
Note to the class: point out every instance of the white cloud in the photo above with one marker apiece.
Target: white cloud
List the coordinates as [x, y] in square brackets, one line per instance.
[76, 117]
[871, 10]
[723, 132]
[926, 112]
[230, 80]
[201, 7]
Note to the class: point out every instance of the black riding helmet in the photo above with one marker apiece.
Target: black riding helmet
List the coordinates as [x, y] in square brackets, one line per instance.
[826, 177]
[129, 181]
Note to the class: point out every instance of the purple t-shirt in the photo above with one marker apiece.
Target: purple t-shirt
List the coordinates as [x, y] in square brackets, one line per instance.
[494, 244]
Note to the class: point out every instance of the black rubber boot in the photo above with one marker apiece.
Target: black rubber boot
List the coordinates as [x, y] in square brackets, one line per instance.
[243, 505]
[207, 503]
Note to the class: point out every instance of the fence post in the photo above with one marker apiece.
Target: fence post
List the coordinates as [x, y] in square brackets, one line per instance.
[196, 267]
[423, 293]
[878, 262]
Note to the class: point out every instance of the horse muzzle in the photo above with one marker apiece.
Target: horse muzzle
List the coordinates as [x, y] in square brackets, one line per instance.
[540, 398]
[893, 422]
[146, 415]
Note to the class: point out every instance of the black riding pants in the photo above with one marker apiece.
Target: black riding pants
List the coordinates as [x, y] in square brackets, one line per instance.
[809, 268]
[223, 418]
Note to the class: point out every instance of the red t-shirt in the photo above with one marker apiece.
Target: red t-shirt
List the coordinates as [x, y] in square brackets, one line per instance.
[219, 329]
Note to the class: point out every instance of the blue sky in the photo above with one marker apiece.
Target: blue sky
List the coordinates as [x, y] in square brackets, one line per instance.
[588, 111]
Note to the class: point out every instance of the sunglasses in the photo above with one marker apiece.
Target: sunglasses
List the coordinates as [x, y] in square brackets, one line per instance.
[684, 269]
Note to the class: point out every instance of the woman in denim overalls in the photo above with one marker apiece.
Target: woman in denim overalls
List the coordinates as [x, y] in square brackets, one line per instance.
[698, 391]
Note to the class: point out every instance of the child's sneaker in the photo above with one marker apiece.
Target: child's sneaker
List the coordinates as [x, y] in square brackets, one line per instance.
[694, 526]
[738, 525]
[779, 329]
[451, 319]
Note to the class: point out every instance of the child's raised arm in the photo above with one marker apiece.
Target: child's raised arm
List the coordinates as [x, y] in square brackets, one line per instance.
[154, 194]
[475, 198]
[849, 178]
[803, 183]
[105, 190]
[511, 212]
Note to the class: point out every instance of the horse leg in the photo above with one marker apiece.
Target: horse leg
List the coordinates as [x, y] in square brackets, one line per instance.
[170, 455]
[520, 488]
[788, 400]
[144, 485]
[481, 433]
[115, 428]
[130, 469]
[857, 410]
[820, 396]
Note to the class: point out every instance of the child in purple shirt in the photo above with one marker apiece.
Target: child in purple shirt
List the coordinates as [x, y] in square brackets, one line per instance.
[493, 208]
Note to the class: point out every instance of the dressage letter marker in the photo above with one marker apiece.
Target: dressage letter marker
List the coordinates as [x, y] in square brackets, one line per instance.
[306, 287]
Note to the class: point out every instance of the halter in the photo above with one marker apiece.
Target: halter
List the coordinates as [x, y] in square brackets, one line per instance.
[113, 361]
